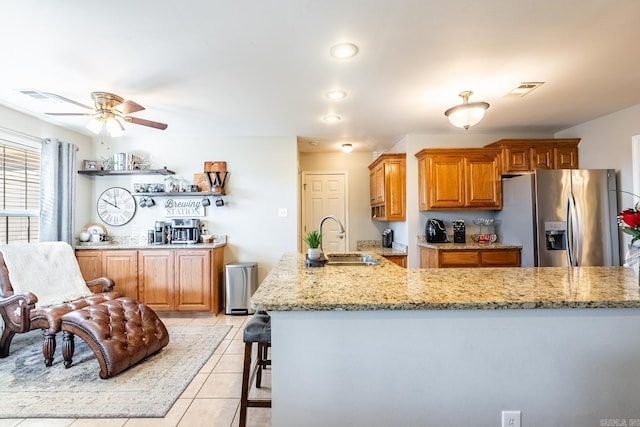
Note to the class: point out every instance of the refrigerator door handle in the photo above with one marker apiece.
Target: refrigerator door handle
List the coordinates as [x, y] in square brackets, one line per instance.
[577, 233]
[569, 231]
[574, 230]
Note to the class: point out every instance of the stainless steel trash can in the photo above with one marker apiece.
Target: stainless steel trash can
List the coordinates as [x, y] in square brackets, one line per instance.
[241, 281]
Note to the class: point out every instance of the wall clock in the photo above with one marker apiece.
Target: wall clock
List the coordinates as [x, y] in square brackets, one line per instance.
[116, 206]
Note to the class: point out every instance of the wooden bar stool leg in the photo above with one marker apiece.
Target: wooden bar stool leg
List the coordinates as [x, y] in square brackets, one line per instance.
[246, 373]
[259, 365]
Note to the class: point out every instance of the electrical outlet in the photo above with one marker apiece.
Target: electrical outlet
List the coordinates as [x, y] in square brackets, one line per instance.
[282, 212]
[511, 419]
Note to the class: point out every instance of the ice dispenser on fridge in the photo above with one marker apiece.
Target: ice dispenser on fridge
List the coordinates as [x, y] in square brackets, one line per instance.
[555, 235]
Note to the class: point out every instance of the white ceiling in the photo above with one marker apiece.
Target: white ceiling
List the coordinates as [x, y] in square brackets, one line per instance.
[259, 67]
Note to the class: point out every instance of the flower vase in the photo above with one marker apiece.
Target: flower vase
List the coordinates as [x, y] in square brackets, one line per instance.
[632, 259]
[314, 254]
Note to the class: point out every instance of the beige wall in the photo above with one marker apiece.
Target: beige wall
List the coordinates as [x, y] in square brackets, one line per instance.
[263, 178]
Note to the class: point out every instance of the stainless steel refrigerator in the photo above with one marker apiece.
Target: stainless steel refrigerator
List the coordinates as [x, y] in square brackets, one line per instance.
[561, 217]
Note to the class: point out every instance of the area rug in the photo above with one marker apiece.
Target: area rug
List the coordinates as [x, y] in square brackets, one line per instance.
[28, 389]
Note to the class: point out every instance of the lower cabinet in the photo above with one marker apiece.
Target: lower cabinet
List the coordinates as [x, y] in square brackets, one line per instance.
[452, 258]
[178, 280]
[401, 260]
[119, 265]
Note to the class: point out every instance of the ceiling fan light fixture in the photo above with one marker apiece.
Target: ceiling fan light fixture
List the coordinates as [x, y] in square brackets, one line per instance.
[346, 148]
[114, 127]
[468, 113]
[95, 125]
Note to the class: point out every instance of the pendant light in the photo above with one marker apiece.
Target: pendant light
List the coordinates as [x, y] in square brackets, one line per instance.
[468, 113]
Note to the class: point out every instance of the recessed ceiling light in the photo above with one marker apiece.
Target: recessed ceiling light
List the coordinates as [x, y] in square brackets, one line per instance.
[344, 50]
[346, 148]
[332, 119]
[525, 88]
[336, 94]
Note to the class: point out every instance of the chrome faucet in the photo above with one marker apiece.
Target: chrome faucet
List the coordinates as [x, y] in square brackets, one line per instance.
[340, 228]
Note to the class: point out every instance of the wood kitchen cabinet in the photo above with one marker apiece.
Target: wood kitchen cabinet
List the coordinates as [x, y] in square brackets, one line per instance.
[400, 260]
[156, 276]
[526, 155]
[451, 179]
[387, 187]
[469, 257]
[173, 280]
[181, 280]
[119, 265]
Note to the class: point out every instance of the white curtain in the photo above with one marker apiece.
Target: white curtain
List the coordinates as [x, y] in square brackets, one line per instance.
[57, 191]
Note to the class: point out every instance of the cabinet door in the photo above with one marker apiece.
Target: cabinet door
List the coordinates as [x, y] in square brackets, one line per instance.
[446, 182]
[423, 186]
[156, 275]
[395, 189]
[193, 284]
[122, 268]
[455, 258]
[542, 157]
[566, 157]
[483, 185]
[372, 187]
[379, 187]
[428, 257]
[90, 263]
[516, 159]
[500, 258]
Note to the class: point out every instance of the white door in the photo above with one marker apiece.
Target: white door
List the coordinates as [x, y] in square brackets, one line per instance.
[324, 194]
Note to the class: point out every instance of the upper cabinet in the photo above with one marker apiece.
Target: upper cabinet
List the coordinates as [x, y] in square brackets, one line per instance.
[387, 186]
[526, 155]
[461, 178]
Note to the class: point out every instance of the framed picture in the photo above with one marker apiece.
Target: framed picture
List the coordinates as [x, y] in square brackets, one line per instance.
[90, 165]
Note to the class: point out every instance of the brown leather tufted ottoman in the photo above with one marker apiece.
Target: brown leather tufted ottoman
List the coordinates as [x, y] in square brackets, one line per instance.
[121, 332]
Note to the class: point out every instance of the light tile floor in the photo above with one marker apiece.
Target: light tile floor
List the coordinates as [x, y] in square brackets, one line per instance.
[211, 399]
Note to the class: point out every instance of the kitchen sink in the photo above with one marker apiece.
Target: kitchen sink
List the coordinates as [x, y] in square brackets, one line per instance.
[351, 258]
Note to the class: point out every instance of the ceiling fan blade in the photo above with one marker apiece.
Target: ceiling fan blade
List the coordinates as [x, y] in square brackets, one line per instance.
[129, 107]
[71, 101]
[145, 122]
[69, 114]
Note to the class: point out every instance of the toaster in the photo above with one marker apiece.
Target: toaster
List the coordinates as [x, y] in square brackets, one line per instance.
[435, 231]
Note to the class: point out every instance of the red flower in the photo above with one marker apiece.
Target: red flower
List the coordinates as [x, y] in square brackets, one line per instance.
[631, 217]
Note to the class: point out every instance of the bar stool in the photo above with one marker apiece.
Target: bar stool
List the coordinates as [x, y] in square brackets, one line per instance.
[257, 330]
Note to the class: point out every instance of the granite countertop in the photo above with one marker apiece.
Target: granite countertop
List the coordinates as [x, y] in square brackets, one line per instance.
[119, 242]
[375, 246]
[291, 286]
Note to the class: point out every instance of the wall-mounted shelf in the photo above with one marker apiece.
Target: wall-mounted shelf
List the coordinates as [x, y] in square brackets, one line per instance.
[164, 171]
[181, 194]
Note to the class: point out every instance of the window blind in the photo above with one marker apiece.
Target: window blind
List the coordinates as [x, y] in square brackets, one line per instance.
[19, 193]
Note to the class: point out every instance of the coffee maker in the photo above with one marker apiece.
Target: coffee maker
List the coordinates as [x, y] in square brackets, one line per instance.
[161, 232]
[184, 230]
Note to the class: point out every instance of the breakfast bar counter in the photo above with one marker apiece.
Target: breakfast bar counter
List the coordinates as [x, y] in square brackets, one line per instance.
[382, 345]
[293, 287]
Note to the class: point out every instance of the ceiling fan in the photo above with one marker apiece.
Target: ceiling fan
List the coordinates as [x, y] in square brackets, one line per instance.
[107, 112]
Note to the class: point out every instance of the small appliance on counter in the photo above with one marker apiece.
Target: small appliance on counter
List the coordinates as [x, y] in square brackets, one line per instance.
[387, 238]
[184, 230]
[435, 231]
[459, 235]
[161, 233]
